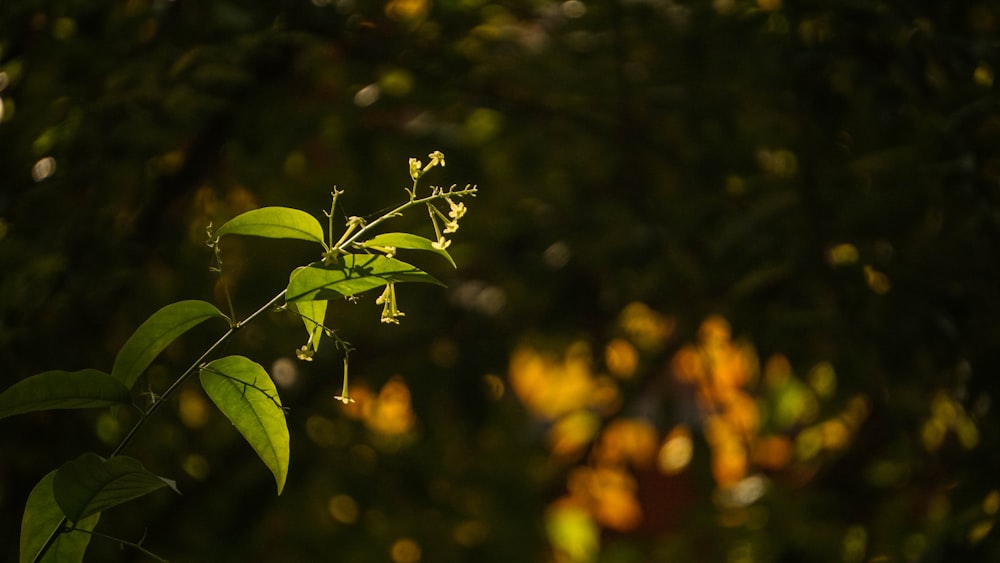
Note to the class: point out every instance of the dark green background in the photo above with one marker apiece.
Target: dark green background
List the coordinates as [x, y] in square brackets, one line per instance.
[613, 135]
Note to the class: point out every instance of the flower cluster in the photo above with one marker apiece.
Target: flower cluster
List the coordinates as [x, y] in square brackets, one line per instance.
[417, 169]
[450, 221]
[438, 217]
[357, 236]
[390, 311]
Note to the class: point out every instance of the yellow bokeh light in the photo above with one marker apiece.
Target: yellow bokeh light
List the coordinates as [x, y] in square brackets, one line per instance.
[933, 433]
[835, 434]
[325, 432]
[343, 509]
[627, 441]
[773, 452]
[609, 495]
[605, 396]
[856, 411]
[295, 164]
[742, 414]
[362, 398]
[407, 9]
[405, 550]
[877, 281]
[108, 429]
[983, 75]
[735, 185]
[572, 531]
[714, 331]
[688, 365]
[63, 28]
[732, 366]
[769, 5]
[570, 434]
[676, 452]
[968, 434]
[391, 413]
[729, 463]
[842, 254]
[396, 82]
[854, 545]
[645, 327]
[991, 503]
[192, 408]
[621, 358]
[470, 533]
[823, 380]
[809, 443]
[979, 531]
[550, 387]
[781, 163]
[777, 371]
[482, 124]
[196, 466]
[494, 387]
[618, 509]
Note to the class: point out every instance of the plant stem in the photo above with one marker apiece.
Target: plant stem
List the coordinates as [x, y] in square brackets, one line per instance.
[399, 210]
[135, 545]
[341, 245]
[222, 278]
[159, 401]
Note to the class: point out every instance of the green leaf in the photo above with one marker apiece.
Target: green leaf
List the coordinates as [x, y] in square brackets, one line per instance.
[82, 389]
[353, 274]
[275, 222]
[42, 517]
[408, 241]
[90, 484]
[312, 313]
[245, 393]
[159, 330]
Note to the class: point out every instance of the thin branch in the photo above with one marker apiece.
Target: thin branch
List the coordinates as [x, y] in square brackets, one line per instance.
[468, 190]
[340, 246]
[134, 545]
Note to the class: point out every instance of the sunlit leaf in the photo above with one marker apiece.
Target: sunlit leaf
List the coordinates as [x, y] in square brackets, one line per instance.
[313, 313]
[82, 389]
[275, 222]
[159, 330]
[244, 392]
[41, 519]
[90, 484]
[409, 241]
[352, 274]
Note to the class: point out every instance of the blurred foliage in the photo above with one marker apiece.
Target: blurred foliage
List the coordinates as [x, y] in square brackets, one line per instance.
[728, 293]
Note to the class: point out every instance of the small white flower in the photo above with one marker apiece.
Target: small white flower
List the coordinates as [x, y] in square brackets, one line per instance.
[437, 158]
[344, 397]
[390, 310]
[441, 244]
[450, 226]
[305, 353]
[457, 211]
[415, 168]
[386, 295]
